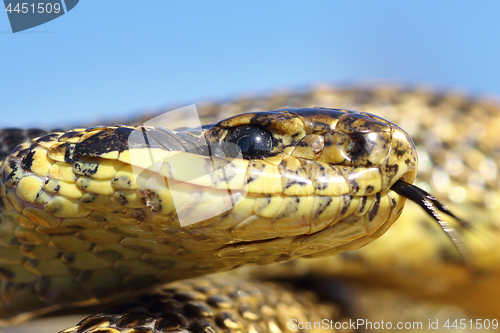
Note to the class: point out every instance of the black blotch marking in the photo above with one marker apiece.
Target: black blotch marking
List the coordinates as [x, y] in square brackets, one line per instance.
[391, 169]
[321, 186]
[15, 241]
[348, 121]
[48, 138]
[122, 179]
[346, 205]
[322, 208]
[319, 127]
[122, 134]
[69, 153]
[226, 214]
[302, 143]
[399, 150]
[28, 160]
[94, 128]
[376, 205]
[6, 274]
[261, 119]
[15, 168]
[98, 218]
[170, 321]
[28, 247]
[110, 254]
[86, 168]
[369, 189]
[89, 197]
[120, 232]
[122, 200]
[92, 322]
[69, 258]
[84, 185]
[318, 113]
[65, 149]
[71, 135]
[291, 207]
[138, 248]
[98, 144]
[363, 203]
[293, 182]
[38, 195]
[135, 320]
[358, 147]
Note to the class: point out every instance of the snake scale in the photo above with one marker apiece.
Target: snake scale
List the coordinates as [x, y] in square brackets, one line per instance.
[76, 229]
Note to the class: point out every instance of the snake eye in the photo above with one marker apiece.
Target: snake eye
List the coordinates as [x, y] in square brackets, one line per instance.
[252, 141]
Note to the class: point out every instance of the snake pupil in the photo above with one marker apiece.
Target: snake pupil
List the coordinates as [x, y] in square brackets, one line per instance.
[252, 141]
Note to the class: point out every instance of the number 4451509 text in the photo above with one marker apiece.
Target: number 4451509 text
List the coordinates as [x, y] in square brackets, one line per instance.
[24, 8]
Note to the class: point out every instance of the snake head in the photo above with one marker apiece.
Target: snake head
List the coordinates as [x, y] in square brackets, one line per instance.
[319, 175]
[333, 136]
[363, 163]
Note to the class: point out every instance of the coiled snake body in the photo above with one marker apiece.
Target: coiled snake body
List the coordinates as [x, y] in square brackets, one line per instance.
[80, 227]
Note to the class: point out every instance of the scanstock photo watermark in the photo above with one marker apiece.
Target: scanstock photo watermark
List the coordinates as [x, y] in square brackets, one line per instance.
[367, 325]
[182, 170]
[25, 15]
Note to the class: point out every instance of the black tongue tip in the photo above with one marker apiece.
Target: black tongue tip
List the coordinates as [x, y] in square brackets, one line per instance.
[432, 207]
[425, 200]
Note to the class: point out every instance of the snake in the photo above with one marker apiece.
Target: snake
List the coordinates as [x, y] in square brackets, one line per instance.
[111, 213]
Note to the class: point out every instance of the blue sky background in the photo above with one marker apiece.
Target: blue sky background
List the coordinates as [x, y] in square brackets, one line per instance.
[117, 57]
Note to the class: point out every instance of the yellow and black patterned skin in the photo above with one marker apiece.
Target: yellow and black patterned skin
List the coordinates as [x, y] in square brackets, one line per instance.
[413, 273]
[217, 304]
[78, 229]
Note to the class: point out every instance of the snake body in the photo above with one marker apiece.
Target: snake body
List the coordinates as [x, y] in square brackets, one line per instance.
[78, 229]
